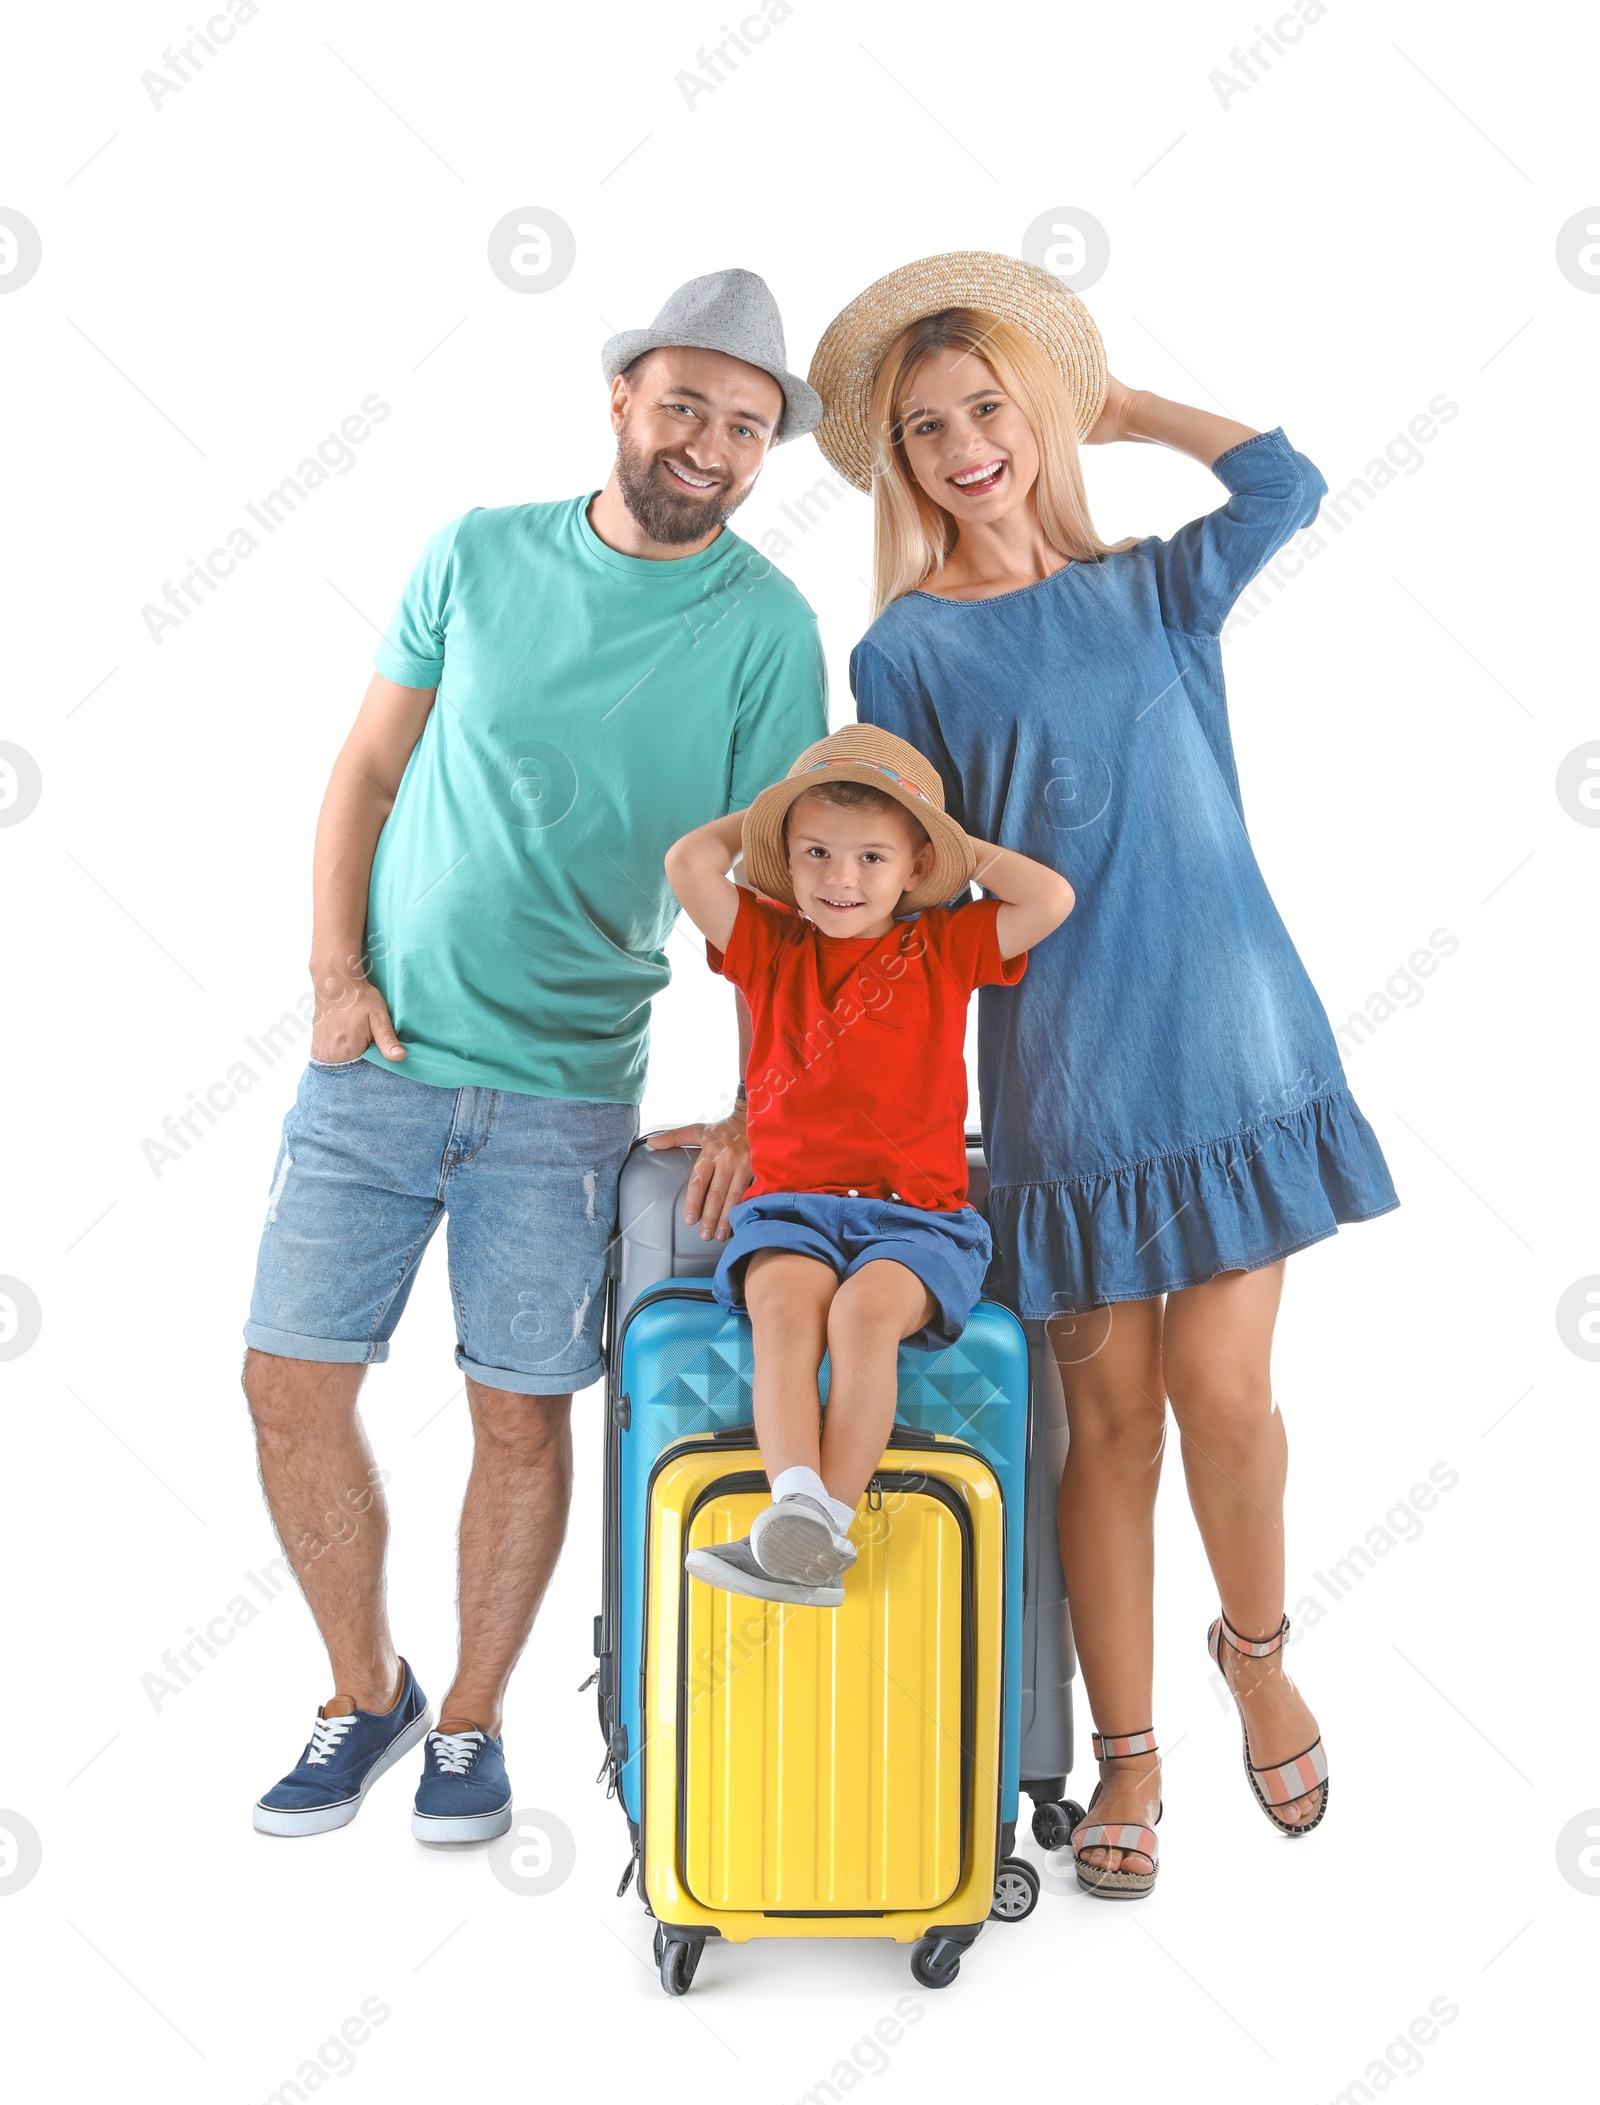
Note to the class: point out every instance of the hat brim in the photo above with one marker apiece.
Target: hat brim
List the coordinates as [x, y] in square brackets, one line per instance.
[802, 405]
[1032, 299]
[766, 859]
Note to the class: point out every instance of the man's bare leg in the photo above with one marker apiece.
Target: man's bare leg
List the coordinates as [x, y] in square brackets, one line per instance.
[321, 1482]
[513, 1523]
[322, 1489]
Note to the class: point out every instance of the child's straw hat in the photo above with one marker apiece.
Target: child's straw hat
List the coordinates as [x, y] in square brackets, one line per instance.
[1031, 298]
[860, 753]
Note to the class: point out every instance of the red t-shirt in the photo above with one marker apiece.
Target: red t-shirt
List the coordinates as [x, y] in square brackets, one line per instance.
[857, 1075]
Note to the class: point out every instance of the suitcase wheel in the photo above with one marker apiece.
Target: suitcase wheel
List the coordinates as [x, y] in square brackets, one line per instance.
[677, 1957]
[935, 1961]
[1053, 1824]
[1016, 1890]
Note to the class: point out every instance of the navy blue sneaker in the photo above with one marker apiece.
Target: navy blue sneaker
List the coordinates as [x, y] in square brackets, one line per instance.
[465, 1794]
[343, 1759]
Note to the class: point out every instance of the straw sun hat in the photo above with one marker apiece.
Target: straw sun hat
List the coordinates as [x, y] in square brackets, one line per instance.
[1034, 301]
[860, 753]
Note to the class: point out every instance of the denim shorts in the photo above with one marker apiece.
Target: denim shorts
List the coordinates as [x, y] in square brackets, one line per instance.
[371, 1162]
[949, 1252]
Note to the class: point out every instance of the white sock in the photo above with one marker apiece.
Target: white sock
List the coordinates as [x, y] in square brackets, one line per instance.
[801, 1482]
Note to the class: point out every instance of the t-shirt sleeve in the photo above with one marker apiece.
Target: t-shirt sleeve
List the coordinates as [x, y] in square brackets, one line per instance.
[783, 708]
[413, 647]
[1201, 571]
[963, 942]
[760, 929]
[892, 699]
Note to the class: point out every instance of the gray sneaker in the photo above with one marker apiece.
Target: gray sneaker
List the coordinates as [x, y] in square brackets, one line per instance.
[795, 1539]
[732, 1567]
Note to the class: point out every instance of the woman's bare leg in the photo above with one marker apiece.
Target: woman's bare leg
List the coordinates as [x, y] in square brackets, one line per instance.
[1217, 1359]
[1110, 1364]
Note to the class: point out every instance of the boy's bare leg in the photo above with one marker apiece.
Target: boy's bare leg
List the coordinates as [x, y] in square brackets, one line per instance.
[871, 1312]
[322, 1489]
[788, 1298]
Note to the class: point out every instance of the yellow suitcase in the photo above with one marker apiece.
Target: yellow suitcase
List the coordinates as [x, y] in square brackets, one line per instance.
[813, 1772]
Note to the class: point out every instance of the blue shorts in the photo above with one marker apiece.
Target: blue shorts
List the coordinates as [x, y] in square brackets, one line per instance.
[371, 1162]
[949, 1252]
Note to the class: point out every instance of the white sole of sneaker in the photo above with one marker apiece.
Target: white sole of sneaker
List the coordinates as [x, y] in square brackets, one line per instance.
[796, 1547]
[322, 1819]
[462, 1827]
[711, 1571]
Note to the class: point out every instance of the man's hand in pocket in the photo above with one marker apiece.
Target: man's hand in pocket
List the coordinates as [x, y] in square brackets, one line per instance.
[351, 1015]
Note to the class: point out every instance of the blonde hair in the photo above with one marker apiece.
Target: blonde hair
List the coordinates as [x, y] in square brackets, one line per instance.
[911, 534]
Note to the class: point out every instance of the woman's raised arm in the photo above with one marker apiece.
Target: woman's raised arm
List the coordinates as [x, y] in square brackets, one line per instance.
[1134, 413]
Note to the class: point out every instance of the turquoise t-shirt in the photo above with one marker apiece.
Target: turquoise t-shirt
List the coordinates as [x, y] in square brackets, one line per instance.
[592, 707]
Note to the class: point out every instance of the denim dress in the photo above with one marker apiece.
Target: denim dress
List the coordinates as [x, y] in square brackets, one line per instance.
[1162, 1097]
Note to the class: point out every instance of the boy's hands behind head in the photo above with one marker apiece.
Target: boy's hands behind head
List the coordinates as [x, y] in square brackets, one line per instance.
[1034, 899]
[698, 868]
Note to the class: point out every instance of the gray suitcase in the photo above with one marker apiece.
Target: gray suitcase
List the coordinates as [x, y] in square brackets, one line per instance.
[654, 1244]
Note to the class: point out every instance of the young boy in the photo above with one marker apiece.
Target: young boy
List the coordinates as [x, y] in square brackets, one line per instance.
[856, 1233]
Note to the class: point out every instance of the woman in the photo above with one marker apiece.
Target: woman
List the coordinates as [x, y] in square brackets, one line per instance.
[1164, 1111]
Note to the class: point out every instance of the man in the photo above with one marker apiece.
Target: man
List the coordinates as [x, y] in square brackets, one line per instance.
[558, 686]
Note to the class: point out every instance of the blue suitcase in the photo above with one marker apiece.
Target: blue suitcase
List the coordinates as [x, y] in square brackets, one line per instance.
[679, 1370]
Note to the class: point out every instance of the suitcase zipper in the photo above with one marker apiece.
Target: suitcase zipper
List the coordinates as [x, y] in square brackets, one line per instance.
[628, 1868]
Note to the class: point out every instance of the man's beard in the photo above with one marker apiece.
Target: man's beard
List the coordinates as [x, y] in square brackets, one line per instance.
[666, 513]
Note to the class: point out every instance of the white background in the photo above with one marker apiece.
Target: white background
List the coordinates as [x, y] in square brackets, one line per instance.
[1370, 224]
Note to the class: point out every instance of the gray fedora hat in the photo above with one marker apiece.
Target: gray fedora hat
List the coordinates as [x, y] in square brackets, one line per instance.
[732, 311]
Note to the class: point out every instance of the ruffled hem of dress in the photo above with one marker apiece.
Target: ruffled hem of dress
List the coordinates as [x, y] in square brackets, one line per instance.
[1229, 1205]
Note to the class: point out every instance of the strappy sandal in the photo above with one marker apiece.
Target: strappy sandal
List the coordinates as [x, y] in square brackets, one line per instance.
[1116, 1834]
[1295, 1778]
